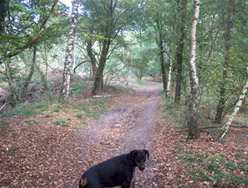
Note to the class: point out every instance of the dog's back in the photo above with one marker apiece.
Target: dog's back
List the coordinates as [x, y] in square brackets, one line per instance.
[107, 173]
[113, 172]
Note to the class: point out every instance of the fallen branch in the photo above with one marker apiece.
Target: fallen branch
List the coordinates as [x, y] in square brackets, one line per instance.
[216, 127]
[103, 96]
[3, 106]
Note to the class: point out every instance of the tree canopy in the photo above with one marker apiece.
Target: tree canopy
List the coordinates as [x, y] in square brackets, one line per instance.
[120, 38]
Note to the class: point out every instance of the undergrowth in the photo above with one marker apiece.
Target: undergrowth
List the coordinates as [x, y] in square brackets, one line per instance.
[28, 109]
[92, 108]
[210, 166]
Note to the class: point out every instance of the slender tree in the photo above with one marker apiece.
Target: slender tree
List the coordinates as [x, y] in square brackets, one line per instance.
[179, 51]
[194, 81]
[222, 100]
[65, 88]
[109, 33]
[92, 57]
[168, 87]
[160, 42]
[30, 75]
[106, 19]
[157, 18]
[4, 8]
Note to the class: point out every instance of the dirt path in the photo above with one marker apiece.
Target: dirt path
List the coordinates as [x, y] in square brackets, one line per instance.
[126, 128]
[36, 152]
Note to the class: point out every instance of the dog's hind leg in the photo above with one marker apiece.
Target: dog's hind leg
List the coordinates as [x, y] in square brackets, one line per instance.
[88, 183]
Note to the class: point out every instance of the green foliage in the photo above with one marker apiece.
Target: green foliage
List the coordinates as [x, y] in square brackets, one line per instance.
[28, 109]
[30, 122]
[210, 165]
[62, 123]
[174, 112]
[77, 87]
[123, 89]
[140, 83]
[93, 108]
[57, 108]
[79, 116]
[3, 127]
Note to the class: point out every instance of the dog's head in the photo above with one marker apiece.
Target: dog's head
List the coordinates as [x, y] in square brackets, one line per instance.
[138, 158]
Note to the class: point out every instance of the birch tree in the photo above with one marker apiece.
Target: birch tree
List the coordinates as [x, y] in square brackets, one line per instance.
[65, 88]
[194, 81]
[168, 87]
[226, 126]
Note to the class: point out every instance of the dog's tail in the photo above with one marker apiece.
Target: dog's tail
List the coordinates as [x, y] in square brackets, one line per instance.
[83, 182]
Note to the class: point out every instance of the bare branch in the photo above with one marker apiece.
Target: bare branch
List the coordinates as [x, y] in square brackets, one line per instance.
[80, 64]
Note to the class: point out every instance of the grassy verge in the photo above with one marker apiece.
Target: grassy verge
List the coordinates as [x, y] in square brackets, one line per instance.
[92, 108]
[123, 89]
[28, 109]
[174, 112]
[217, 168]
[77, 87]
[75, 113]
[140, 83]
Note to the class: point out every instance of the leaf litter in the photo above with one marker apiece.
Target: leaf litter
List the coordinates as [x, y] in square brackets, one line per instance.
[43, 154]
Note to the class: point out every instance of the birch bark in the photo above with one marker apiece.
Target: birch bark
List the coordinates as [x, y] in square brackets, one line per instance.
[69, 52]
[227, 125]
[168, 88]
[194, 81]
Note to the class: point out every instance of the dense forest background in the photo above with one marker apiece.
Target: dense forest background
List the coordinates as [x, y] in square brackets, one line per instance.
[105, 41]
[52, 55]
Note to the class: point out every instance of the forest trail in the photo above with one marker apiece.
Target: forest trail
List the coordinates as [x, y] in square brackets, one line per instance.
[44, 154]
[127, 128]
[37, 152]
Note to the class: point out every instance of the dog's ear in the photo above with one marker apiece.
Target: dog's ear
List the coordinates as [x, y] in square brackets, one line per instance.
[132, 155]
[147, 153]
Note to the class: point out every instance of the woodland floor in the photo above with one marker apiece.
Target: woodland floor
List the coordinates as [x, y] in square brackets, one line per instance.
[42, 154]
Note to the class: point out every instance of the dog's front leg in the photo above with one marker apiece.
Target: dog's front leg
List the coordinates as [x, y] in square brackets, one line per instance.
[125, 186]
[127, 182]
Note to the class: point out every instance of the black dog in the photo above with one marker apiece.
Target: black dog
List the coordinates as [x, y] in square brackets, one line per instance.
[117, 171]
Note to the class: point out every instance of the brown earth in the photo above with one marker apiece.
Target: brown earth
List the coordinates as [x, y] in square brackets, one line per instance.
[46, 155]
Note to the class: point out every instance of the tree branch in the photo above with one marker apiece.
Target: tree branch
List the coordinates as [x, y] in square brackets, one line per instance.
[80, 64]
[30, 43]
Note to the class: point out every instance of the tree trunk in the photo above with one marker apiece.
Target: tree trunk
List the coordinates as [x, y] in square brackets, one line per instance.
[92, 57]
[30, 75]
[226, 126]
[168, 88]
[179, 54]
[162, 64]
[194, 81]
[64, 93]
[98, 81]
[12, 89]
[4, 8]
[109, 35]
[222, 100]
